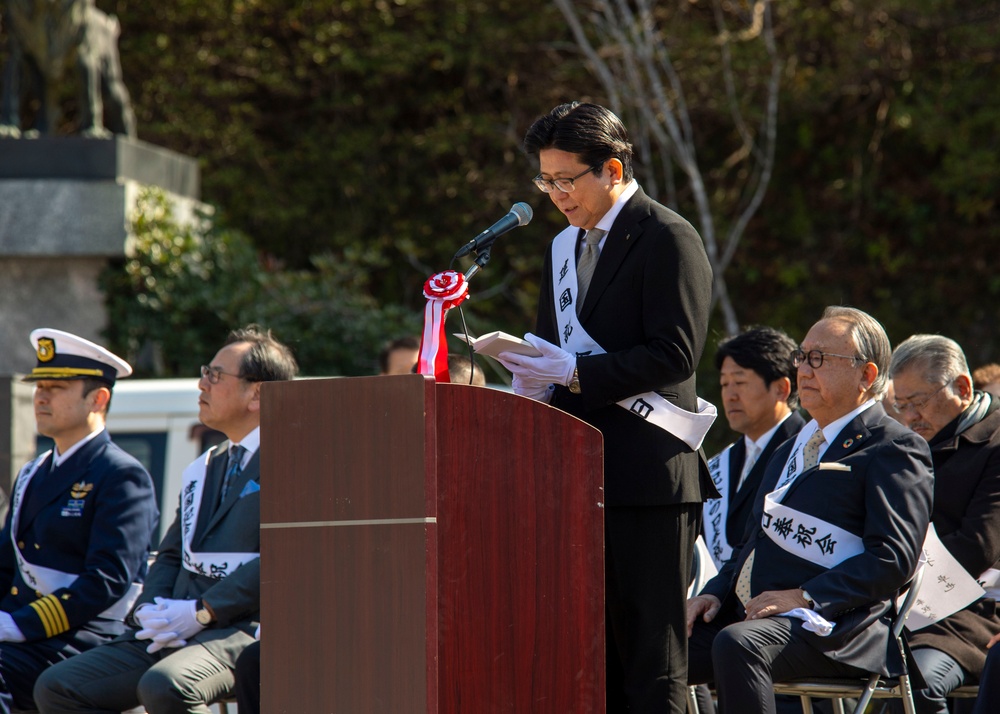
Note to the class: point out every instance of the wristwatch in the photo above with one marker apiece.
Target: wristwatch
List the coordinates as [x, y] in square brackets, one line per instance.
[574, 383]
[202, 614]
[808, 599]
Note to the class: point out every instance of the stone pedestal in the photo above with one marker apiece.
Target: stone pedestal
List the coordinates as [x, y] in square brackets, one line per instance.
[64, 209]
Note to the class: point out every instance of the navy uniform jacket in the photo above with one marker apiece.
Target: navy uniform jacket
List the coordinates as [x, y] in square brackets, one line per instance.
[232, 528]
[648, 307]
[94, 515]
[885, 499]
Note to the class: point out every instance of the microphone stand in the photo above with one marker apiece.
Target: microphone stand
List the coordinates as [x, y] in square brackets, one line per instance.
[482, 258]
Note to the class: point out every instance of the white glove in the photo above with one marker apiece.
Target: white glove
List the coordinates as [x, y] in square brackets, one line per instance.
[526, 387]
[9, 631]
[554, 366]
[163, 640]
[145, 612]
[176, 617]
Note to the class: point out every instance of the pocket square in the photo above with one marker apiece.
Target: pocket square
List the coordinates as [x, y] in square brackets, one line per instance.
[833, 466]
[251, 487]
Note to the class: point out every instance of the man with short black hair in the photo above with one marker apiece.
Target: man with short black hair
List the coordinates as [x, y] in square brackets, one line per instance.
[74, 547]
[759, 397]
[621, 325]
[201, 605]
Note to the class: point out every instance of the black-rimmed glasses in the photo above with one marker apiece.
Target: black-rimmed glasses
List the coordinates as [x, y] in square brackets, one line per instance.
[566, 185]
[815, 358]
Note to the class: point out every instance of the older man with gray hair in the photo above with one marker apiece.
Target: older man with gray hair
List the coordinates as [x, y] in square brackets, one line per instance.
[836, 531]
[934, 396]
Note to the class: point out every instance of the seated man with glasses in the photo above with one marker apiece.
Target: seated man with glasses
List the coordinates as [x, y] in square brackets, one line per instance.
[837, 529]
[201, 603]
[935, 398]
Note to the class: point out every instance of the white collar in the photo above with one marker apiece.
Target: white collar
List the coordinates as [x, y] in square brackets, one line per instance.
[765, 438]
[831, 430]
[58, 458]
[608, 219]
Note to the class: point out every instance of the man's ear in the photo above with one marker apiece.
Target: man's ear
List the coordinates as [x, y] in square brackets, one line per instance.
[615, 170]
[869, 375]
[101, 397]
[254, 404]
[782, 388]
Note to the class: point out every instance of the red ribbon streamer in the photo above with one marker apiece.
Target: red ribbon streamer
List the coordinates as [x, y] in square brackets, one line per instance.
[443, 291]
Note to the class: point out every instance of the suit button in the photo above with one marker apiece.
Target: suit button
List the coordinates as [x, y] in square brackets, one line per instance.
[38, 593]
[760, 534]
[13, 590]
[20, 545]
[37, 547]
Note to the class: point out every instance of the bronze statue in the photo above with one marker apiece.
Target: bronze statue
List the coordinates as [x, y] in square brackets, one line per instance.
[45, 39]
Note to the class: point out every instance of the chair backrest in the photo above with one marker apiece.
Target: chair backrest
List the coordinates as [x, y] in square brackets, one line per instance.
[912, 591]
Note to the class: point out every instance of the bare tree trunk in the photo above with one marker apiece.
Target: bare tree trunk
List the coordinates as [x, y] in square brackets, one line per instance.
[629, 55]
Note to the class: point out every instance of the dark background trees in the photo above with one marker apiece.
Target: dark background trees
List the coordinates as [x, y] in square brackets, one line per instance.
[376, 136]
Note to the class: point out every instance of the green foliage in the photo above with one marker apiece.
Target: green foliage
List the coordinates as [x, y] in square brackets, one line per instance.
[383, 134]
[185, 287]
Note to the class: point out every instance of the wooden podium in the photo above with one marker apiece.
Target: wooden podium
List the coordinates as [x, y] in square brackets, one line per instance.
[428, 548]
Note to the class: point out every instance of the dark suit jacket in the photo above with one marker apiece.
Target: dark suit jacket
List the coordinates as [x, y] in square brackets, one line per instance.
[967, 518]
[741, 502]
[648, 307]
[102, 533]
[885, 499]
[233, 528]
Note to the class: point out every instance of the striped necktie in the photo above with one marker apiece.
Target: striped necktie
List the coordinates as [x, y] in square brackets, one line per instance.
[233, 469]
[810, 457]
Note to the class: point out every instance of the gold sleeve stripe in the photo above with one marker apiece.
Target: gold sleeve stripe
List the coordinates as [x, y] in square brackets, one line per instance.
[50, 611]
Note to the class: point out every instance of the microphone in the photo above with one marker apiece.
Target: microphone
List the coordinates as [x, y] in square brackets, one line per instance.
[519, 215]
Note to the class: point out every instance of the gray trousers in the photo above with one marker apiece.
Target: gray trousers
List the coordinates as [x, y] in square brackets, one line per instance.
[122, 675]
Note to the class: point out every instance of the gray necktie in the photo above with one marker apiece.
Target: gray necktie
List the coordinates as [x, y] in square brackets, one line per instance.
[588, 262]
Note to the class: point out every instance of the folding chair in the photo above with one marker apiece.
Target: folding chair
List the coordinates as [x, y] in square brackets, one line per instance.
[877, 686]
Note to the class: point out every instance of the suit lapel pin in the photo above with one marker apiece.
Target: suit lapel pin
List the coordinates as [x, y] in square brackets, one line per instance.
[847, 444]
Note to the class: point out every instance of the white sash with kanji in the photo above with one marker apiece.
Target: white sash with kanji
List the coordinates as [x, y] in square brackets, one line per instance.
[689, 427]
[716, 510]
[212, 565]
[48, 580]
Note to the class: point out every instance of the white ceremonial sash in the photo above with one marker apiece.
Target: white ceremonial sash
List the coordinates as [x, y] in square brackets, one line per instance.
[989, 581]
[689, 427]
[805, 535]
[48, 580]
[212, 565]
[716, 510]
[946, 587]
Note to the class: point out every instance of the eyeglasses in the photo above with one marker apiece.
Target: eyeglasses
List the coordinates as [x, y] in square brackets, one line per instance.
[815, 358]
[214, 374]
[917, 406]
[565, 185]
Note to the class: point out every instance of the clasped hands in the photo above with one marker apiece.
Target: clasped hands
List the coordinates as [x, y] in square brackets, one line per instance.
[767, 604]
[168, 623]
[533, 375]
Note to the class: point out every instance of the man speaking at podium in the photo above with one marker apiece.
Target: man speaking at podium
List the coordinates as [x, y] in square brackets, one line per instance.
[621, 325]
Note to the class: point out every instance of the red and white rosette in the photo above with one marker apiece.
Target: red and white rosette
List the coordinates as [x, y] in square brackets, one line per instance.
[443, 291]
